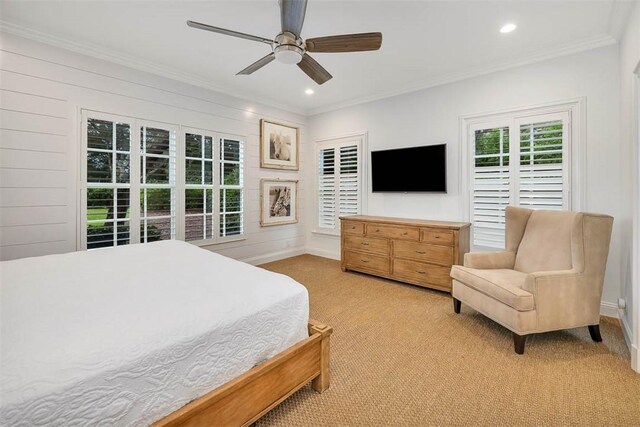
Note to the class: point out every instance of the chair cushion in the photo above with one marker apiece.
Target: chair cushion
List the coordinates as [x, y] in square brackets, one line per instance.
[546, 243]
[500, 284]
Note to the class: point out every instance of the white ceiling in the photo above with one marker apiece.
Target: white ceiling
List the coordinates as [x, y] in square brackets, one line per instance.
[424, 42]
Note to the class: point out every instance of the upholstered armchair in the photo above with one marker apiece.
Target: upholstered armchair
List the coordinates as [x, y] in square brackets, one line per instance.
[548, 278]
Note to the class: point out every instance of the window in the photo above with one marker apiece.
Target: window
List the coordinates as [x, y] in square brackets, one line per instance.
[199, 190]
[108, 179]
[157, 184]
[150, 185]
[520, 161]
[339, 180]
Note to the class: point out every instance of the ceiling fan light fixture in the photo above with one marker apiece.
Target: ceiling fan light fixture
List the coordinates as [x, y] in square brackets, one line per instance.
[288, 54]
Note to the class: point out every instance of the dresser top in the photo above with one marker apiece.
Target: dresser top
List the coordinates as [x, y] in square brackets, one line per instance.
[406, 221]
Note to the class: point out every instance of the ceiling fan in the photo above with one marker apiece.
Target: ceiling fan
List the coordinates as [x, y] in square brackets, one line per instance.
[289, 48]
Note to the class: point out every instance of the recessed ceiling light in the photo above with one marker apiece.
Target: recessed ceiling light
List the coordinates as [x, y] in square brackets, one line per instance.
[309, 91]
[507, 28]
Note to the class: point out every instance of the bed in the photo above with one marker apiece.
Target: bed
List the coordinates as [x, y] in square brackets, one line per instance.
[161, 333]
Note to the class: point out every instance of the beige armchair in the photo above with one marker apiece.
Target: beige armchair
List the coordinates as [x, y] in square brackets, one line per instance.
[549, 277]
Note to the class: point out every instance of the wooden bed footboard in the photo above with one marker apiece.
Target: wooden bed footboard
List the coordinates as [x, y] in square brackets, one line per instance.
[246, 398]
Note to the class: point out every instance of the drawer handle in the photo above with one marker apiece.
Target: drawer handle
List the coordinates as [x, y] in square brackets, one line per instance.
[420, 271]
[420, 252]
[365, 243]
[364, 260]
[437, 237]
[405, 233]
[353, 227]
[377, 230]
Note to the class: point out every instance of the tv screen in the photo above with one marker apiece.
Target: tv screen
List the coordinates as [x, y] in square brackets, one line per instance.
[414, 169]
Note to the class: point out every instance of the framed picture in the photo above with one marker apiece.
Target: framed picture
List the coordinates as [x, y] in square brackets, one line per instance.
[278, 145]
[278, 202]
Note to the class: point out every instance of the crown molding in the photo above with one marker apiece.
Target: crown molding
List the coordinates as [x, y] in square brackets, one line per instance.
[539, 56]
[102, 53]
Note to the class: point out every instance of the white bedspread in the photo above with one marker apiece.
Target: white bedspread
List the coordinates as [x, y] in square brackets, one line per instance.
[126, 336]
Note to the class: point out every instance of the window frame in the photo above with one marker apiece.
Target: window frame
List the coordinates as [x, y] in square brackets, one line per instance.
[135, 184]
[360, 139]
[573, 150]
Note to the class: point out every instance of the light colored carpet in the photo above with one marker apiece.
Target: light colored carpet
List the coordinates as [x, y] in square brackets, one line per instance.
[401, 357]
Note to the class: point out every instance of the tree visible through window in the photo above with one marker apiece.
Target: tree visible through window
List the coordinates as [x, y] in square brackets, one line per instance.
[133, 184]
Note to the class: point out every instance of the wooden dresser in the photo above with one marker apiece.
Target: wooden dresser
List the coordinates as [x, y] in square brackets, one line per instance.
[408, 250]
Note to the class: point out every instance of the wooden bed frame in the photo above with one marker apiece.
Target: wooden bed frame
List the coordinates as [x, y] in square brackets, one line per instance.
[248, 397]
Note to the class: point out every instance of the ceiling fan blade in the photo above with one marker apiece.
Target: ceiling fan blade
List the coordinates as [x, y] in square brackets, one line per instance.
[345, 43]
[258, 64]
[292, 15]
[314, 70]
[226, 32]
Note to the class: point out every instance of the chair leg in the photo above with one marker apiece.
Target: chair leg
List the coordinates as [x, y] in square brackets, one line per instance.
[518, 343]
[594, 331]
[456, 305]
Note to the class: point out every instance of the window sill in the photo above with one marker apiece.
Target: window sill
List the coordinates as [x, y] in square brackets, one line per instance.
[330, 233]
[201, 243]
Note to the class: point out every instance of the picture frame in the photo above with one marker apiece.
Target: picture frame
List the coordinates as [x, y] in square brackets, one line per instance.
[279, 145]
[278, 201]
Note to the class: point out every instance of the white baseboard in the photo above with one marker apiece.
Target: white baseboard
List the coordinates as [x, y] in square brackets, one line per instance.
[628, 337]
[275, 256]
[626, 329]
[609, 309]
[324, 254]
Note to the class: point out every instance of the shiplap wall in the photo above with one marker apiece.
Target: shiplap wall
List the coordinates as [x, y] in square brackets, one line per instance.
[42, 92]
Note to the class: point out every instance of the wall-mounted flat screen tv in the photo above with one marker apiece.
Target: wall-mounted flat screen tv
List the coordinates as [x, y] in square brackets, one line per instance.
[414, 169]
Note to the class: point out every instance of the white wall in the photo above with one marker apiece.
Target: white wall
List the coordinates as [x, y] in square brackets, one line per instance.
[42, 90]
[432, 116]
[629, 117]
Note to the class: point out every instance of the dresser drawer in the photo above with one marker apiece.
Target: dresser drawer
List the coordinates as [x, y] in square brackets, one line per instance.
[442, 255]
[368, 261]
[409, 233]
[353, 227]
[427, 274]
[368, 244]
[436, 236]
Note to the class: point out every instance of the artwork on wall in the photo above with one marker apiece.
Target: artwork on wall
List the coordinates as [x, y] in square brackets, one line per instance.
[278, 202]
[279, 145]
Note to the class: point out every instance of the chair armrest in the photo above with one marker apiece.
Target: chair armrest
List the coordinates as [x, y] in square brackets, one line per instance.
[489, 260]
[537, 282]
[564, 299]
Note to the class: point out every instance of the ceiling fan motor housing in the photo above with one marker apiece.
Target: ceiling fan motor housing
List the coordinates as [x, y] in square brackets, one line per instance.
[289, 48]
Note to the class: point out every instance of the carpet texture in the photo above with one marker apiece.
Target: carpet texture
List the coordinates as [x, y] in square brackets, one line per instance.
[401, 357]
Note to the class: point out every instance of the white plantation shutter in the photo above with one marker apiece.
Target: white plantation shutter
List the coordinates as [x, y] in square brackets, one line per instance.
[141, 182]
[542, 166]
[349, 181]
[339, 182]
[536, 176]
[327, 188]
[491, 185]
